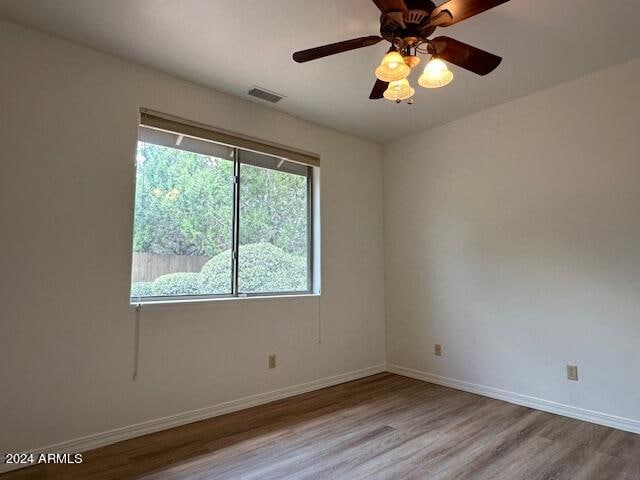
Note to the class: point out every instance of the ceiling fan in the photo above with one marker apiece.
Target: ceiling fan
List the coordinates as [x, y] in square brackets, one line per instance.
[407, 26]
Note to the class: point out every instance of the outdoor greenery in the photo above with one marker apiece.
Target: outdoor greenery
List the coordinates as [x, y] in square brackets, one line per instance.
[183, 202]
[184, 206]
[180, 283]
[142, 289]
[263, 268]
[273, 208]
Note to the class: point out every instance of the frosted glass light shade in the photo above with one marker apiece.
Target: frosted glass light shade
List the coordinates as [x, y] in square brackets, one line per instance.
[399, 90]
[436, 74]
[392, 68]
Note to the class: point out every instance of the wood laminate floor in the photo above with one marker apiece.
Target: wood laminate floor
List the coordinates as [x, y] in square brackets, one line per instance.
[381, 427]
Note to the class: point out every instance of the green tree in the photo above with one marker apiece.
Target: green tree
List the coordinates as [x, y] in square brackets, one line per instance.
[183, 202]
[273, 209]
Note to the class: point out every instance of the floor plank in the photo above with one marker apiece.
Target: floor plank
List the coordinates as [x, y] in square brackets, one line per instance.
[381, 427]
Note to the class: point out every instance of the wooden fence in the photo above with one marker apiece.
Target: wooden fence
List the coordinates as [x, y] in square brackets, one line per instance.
[149, 266]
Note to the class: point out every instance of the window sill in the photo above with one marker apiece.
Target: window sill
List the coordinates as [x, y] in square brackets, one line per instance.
[199, 301]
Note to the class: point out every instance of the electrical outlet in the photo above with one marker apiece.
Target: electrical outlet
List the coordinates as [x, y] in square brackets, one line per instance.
[272, 361]
[437, 351]
[572, 373]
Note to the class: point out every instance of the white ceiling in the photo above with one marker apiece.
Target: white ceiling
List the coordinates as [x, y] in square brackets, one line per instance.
[233, 45]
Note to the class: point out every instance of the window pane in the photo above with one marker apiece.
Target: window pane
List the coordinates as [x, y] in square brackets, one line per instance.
[274, 225]
[183, 217]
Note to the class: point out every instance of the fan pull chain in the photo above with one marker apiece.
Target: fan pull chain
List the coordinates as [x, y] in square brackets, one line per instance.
[319, 322]
[136, 343]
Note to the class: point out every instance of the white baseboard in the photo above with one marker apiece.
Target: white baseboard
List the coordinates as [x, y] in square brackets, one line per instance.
[599, 418]
[125, 433]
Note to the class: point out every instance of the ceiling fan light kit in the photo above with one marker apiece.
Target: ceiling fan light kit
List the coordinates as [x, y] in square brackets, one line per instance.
[436, 74]
[408, 26]
[399, 90]
[392, 68]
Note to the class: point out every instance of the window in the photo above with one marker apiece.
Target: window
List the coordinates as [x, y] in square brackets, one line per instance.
[215, 220]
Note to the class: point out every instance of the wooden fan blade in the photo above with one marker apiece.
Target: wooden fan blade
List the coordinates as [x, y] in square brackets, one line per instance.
[461, 9]
[378, 89]
[465, 56]
[387, 6]
[333, 48]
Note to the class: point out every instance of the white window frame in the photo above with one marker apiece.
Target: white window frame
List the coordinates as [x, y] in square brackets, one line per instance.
[313, 214]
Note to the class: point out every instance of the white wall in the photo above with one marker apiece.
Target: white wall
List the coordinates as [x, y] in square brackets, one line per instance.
[68, 130]
[513, 238]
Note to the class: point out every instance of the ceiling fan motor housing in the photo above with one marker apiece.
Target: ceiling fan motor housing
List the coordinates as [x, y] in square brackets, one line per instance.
[394, 25]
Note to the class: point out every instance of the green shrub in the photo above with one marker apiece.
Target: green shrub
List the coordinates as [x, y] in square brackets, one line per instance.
[263, 268]
[181, 283]
[141, 289]
[215, 276]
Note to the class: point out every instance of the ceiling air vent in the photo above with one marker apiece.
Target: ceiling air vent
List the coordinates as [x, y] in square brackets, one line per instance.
[264, 94]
